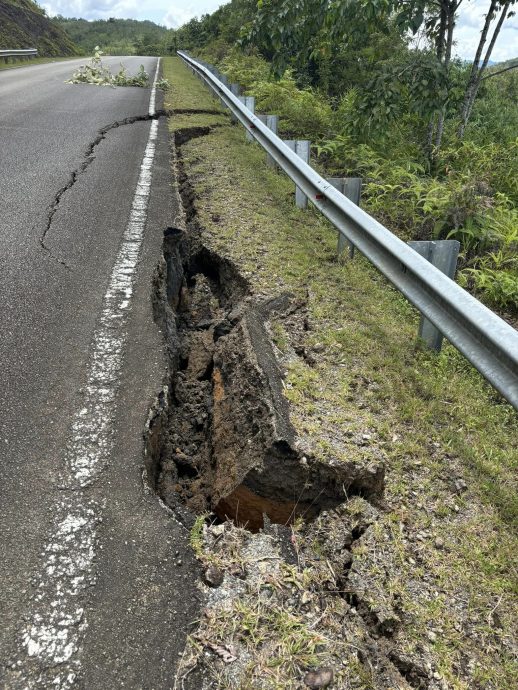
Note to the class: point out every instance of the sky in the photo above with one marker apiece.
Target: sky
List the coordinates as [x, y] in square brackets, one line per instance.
[174, 13]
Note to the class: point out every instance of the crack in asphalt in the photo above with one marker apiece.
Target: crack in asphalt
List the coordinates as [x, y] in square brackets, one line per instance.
[88, 159]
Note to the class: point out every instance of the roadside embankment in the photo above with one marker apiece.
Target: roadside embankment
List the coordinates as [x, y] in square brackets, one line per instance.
[380, 475]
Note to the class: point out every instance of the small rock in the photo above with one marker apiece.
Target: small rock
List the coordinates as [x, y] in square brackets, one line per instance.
[431, 635]
[179, 562]
[460, 486]
[213, 576]
[321, 678]
[305, 598]
[217, 530]
[318, 347]
[439, 543]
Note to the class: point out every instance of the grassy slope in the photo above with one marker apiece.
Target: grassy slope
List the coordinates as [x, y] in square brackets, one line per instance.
[24, 25]
[446, 547]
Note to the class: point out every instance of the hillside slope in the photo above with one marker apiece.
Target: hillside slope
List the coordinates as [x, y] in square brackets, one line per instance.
[24, 25]
[115, 36]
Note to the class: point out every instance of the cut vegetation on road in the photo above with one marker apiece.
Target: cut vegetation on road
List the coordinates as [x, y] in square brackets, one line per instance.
[397, 568]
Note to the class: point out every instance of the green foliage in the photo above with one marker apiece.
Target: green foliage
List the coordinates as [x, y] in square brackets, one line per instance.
[345, 76]
[96, 73]
[116, 36]
[494, 164]
[304, 113]
[224, 26]
[499, 286]
[416, 82]
[163, 85]
[248, 70]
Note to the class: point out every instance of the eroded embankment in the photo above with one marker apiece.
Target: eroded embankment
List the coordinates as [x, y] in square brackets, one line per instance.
[219, 439]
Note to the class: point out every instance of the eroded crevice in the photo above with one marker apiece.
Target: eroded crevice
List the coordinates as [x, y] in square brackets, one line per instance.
[88, 158]
[220, 440]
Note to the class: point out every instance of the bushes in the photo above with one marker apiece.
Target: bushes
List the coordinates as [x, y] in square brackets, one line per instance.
[471, 198]
[304, 113]
[495, 164]
[247, 70]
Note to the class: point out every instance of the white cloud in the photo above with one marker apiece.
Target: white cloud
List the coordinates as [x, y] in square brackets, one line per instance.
[177, 17]
[469, 26]
[91, 9]
[182, 11]
[172, 13]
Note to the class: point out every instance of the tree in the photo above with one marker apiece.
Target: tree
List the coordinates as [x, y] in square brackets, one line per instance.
[502, 10]
[292, 31]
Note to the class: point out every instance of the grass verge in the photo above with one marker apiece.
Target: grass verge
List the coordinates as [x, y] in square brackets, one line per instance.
[441, 553]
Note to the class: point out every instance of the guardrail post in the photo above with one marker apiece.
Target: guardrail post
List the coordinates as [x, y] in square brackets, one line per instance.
[351, 187]
[236, 90]
[272, 122]
[248, 102]
[442, 254]
[302, 148]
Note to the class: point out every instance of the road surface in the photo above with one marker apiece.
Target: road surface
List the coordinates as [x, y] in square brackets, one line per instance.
[96, 583]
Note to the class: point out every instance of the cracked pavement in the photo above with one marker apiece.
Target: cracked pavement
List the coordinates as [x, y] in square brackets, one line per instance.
[68, 174]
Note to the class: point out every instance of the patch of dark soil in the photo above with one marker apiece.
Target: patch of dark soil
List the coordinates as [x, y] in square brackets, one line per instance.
[219, 438]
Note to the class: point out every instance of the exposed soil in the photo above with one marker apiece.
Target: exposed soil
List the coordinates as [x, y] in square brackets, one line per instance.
[220, 439]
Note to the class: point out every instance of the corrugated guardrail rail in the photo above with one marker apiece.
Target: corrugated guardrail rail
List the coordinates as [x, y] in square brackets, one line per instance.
[15, 52]
[485, 339]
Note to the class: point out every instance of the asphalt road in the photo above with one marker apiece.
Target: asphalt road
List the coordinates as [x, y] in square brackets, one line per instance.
[96, 581]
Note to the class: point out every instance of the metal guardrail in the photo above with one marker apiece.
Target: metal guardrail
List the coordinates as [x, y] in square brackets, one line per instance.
[24, 52]
[485, 339]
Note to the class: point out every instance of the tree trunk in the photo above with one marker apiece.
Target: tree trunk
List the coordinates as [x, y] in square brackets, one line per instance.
[472, 88]
[439, 49]
[448, 43]
[482, 69]
[429, 139]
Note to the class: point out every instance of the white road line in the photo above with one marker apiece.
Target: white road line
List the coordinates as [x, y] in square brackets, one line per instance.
[152, 100]
[53, 636]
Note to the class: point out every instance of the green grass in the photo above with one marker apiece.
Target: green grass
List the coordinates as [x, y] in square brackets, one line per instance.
[375, 394]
